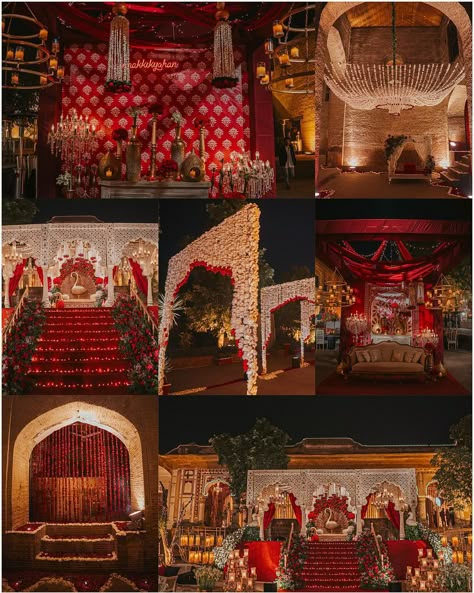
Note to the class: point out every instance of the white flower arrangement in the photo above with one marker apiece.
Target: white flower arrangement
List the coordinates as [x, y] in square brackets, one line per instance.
[109, 538]
[63, 179]
[107, 586]
[113, 556]
[177, 118]
[457, 577]
[54, 584]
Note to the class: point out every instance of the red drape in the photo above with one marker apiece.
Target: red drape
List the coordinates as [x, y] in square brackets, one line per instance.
[406, 255]
[365, 506]
[268, 515]
[296, 508]
[15, 279]
[265, 557]
[39, 269]
[140, 279]
[393, 514]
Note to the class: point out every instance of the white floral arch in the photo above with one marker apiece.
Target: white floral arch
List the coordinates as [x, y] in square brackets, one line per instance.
[230, 248]
[422, 145]
[275, 297]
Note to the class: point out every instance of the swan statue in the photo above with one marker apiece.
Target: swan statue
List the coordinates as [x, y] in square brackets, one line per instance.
[411, 519]
[330, 523]
[77, 289]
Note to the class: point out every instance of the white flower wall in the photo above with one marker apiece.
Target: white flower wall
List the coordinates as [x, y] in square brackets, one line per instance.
[274, 297]
[230, 248]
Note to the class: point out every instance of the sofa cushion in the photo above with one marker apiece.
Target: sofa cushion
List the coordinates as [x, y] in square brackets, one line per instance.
[397, 356]
[375, 355]
[363, 356]
[413, 356]
[389, 368]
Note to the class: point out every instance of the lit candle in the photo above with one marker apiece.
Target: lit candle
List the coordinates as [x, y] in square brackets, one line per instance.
[469, 556]
[199, 557]
[43, 34]
[60, 72]
[108, 173]
[435, 564]
[455, 541]
[10, 55]
[269, 46]
[469, 539]
[444, 540]
[294, 52]
[430, 575]
[460, 557]
[246, 553]
[244, 574]
[197, 540]
[277, 29]
[284, 59]
[409, 571]
[219, 540]
[191, 540]
[429, 553]
[53, 63]
[15, 78]
[205, 557]
[420, 552]
[261, 69]
[417, 572]
[55, 46]
[265, 80]
[43, 80]
[253, 571]
[289, 83]
[236, 554]
[422, 586]
[440, 555]
[231, 577]
[211, 557]
[424, 562]
[19, 54]
[454, 558]
[238, 586]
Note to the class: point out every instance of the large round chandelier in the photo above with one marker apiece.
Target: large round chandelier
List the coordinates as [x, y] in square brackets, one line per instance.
[335, 293]
[291, 60]
[445, 296]
[393, 86]
[28, 63]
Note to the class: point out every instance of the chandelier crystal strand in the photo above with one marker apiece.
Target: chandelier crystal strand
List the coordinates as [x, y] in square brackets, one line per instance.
[223, 73]
[118, 66]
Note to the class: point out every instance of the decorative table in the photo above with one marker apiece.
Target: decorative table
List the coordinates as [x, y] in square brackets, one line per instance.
[154, 189]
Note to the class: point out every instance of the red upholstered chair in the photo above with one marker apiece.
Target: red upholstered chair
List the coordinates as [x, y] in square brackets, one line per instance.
[409, 168]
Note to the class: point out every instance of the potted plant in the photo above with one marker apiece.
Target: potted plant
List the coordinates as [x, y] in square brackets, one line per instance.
[207, 577]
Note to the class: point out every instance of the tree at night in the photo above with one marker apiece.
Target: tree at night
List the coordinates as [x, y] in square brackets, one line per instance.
[454, 473]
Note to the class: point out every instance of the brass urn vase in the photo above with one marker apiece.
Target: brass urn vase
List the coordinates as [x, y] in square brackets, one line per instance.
[133, 157]
[178, 146]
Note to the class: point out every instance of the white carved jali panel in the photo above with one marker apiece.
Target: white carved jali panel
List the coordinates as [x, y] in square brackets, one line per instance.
[109, 239]
[358, 483]
[274, 297]
[230, 248]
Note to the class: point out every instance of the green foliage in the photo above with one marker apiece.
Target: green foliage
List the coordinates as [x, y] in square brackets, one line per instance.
[392, 143]
[457, 577]
[376, 572]
[262, 447]
[454, 463]
[16, 103]
[421, 532]
[19, 211]
[231, 541]
[461, 275]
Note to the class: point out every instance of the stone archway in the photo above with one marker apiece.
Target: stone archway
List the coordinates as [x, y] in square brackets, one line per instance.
[330, 14]
[277, 296]
[230, 248]
[47, 423]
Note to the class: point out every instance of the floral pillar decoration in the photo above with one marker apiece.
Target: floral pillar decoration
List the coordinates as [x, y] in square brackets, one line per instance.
[118, 66]
[274, 297]
[230, 248]
[223, 73]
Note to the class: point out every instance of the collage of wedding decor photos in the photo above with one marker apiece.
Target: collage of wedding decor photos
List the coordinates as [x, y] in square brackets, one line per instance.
[237, 296]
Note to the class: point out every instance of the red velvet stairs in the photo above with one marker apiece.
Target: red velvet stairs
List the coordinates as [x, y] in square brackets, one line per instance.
[331, 566]
[78, 352]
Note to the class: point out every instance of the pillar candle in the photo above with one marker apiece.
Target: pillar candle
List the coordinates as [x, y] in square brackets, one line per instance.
[455, 541]
[294, 52]
[277, 29]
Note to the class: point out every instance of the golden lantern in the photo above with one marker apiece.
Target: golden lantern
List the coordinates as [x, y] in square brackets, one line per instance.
[277, 29]
[294, 52]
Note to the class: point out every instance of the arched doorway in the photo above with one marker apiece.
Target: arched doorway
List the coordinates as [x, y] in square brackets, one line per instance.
[79, 474]
[18, 491]
[219, 505]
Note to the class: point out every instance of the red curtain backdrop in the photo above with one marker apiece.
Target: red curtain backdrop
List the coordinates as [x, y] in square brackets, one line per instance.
[364, 508]
[186, 87]
[140, 279]
[39, 269]
[393, 514]
[268, 515]
[80, 473]
[402, 554]
[265, 556]
[15, 279]
[296, 508]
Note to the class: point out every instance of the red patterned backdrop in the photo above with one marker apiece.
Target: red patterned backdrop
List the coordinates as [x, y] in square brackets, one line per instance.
[186, 88]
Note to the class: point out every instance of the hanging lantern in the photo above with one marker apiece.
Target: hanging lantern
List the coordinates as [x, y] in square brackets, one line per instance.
[420, 292]
[223, 75]
[261, 69]
[289, 83]
[118, 66]
[265, 80]
[269, 47]
[294, 52]
[277, 29]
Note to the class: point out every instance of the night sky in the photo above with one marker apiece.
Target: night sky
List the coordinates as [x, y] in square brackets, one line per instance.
[286, 230]
[105, 210]
[368, 420]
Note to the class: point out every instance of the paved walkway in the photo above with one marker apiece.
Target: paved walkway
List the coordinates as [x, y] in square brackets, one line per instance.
[376, 185]
[229, 379]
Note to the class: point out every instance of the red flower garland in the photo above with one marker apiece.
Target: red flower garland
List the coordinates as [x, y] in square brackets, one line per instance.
[79, 265]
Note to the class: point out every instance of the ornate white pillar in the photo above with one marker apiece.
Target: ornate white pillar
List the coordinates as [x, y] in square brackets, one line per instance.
[149, 296]
[260, 523]
[422, 508]
[45, 298]
[402, 524]
[359, 519]
[110, 287]
[6, 280]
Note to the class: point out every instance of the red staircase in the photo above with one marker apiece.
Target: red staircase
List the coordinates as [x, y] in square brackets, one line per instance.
[331, 566]
[78, 352]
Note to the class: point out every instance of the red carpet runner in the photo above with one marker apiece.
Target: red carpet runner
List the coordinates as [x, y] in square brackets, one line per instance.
[78, 352]
[331, 566]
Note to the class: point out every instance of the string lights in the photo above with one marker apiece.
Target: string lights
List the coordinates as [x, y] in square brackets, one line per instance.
[118, 63]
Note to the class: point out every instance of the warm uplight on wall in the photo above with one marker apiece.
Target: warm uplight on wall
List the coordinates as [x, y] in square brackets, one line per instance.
[444, 163]
[452, 144]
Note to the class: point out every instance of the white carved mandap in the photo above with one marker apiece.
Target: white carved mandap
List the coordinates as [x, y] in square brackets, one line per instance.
[264, 486]
[111, 249]
[277, 296]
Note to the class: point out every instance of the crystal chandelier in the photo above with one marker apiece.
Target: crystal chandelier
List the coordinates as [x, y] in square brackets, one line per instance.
[291, 67]
[118, 64]
[382, 497]
[28, 64]
[223, 72]
[357, 324]
[393, 86]
[14, 253]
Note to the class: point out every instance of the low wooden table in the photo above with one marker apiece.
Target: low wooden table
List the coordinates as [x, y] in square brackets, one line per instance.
[155, 189]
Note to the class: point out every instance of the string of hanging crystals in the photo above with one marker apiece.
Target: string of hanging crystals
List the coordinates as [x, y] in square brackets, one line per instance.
[118, 65]
[223, 73]
[393, 86]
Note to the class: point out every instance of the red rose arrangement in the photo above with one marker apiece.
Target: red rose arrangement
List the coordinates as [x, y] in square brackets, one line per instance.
[120, 135]
[200, 122]
[118, 86]
[225, 82]
[157, 110]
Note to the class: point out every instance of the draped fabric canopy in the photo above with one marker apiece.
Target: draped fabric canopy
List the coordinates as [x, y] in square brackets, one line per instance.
[335, 238]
